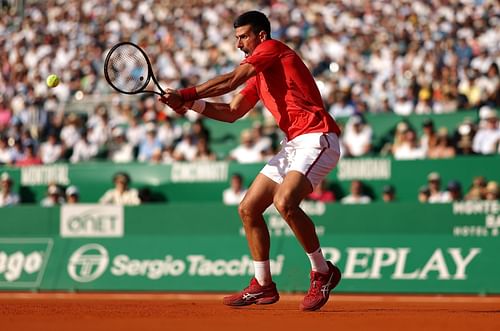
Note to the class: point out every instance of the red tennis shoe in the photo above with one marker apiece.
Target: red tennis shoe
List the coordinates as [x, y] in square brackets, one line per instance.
[253, 294]
[321, 285]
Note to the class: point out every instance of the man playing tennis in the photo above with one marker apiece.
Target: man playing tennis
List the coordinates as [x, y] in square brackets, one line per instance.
[276, 75]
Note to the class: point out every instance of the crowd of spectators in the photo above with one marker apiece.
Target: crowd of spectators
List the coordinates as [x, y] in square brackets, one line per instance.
[403, 57]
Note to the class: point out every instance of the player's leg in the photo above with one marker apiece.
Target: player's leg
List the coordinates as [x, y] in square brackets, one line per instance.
[262, 290]
[257, 199]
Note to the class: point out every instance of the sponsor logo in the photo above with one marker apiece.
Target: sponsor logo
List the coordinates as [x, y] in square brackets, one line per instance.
[91, 220]
[349, 169]
[44, 175]
[23, 261]
[370, 262]
[491, 212]
[199, 172]
[88, 263]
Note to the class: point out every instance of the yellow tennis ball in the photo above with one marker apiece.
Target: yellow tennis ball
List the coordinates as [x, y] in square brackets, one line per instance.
[52, 81]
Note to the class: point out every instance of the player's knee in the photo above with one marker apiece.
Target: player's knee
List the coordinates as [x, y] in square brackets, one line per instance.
[284, 205]
[246, 211]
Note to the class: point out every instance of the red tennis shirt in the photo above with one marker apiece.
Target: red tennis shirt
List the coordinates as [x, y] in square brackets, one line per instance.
[288, 90]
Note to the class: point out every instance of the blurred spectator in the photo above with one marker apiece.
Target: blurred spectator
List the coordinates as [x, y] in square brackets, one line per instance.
[53, 198]
[357, 138]
[263, 143]
[429, 137]
[6, 155]
[121, 194]
[186, 149]
[356, 195]
[120, 151]
[168, 132]
[464, 136]
[7, 196]
[51, 151]
[424, 194]
[322, 193]
[487, 138]
[492, 191]
[235, 192]
[453, 192]
[435, 193]
[30, 157]
[149, 144]
[83, 149]
[388, 193]
[478, 189]
[70, 132]
[443, 148]
[409, 147]
[246, 152]
[72, 195]
[204, 153]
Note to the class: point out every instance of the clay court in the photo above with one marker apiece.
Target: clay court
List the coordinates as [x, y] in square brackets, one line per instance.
[148, 312]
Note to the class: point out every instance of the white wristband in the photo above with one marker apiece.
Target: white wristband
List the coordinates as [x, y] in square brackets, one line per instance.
[199, 106]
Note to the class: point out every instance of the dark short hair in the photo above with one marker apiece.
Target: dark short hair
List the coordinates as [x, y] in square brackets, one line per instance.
[256, 19]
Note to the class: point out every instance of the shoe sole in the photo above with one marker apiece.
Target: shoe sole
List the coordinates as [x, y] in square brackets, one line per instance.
[261, 301]
[337, 276]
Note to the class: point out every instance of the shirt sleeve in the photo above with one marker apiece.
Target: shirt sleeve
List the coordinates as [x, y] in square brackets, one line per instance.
[250, 91]
[263, 56]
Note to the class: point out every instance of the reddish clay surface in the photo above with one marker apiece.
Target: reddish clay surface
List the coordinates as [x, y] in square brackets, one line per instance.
[149, 312]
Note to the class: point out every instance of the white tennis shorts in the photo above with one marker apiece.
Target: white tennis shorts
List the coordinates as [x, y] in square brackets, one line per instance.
[312, 154]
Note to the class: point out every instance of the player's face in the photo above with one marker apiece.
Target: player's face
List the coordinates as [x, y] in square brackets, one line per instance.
[246, 39]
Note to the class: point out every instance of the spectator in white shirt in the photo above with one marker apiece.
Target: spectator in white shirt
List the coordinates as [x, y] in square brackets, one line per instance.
[51, 151]
[54, 197]
[70, 133]
[7, 197]
[487, 138]
[357, 139]
[120, 150]
[409, 148]
[6, 155]
[121, 194]
[435, 193]
[235, 192]
[356, 196]
[246, 152]
[83, 150]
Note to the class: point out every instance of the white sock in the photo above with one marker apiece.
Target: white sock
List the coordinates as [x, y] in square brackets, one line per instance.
[318, 262]
[262, 272]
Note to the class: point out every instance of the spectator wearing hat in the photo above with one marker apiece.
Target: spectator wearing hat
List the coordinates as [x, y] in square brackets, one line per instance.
[7, 196]
[357, 138]
[54, 196]
[388, 193]
[72, 195]
[487, 138]
[435, 193]
[492, 191]
[453, 192]
[121, 194]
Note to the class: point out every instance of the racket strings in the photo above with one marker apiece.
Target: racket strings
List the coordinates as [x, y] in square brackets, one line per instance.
[128, 69]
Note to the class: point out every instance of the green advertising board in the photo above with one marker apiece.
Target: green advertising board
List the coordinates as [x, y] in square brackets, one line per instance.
[381, 248]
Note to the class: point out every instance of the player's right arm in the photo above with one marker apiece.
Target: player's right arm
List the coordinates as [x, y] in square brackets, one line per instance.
[228, 112]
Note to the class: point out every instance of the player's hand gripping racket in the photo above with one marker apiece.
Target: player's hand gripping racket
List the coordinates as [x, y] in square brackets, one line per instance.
[128, 70]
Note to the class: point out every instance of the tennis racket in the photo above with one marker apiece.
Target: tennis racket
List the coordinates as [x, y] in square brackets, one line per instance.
[128, 70]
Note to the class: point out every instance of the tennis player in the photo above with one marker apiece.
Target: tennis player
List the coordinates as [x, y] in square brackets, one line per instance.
[275, 74]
